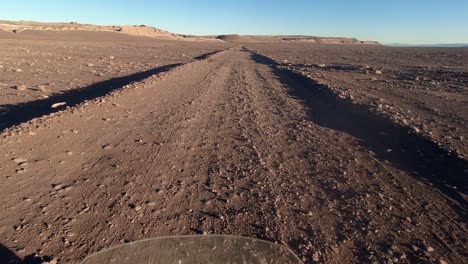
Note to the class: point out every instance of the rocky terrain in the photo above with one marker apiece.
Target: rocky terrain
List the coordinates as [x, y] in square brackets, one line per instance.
[35, 66]
[343, 153]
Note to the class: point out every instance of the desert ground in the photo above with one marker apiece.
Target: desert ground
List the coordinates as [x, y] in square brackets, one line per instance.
[345, 153]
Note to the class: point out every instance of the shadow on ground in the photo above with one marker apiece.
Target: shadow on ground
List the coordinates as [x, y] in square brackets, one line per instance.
[15, 114]
[9, 257]
[410, 152]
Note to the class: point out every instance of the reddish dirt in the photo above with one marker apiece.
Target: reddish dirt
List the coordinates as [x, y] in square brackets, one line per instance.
[231, 143]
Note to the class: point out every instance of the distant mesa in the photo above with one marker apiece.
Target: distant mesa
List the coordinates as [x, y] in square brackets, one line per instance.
[279, 38]
[147, 31]
[143, 30]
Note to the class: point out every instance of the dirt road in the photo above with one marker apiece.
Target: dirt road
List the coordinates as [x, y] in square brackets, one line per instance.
[225, 145]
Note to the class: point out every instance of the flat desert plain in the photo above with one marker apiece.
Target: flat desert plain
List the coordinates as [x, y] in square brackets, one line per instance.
[345, 153]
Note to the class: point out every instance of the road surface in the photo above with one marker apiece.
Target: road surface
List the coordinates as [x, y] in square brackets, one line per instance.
[223, 145]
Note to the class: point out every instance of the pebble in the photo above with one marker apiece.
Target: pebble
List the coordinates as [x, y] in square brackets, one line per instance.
[58, 104]
[441, 261]
[19, 160]
[335, 249]
[315, 257]
[107, 146]
[20, 87]
[57, 186]
[378, 72]
[417, 130]
[430, 249]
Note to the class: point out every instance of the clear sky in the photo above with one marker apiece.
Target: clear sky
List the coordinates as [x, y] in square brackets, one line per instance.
[390, 21]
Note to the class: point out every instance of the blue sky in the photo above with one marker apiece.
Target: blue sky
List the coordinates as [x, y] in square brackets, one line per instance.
[391, 21]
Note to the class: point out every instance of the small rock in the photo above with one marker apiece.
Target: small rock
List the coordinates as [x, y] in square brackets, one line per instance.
[335, 249]
[441, 261]
[57, 186]
[19, 160]
[67, 188]
[58, 104]
[90, 65]
[430, 249]
[315, 257]
[378, 72]
[107, 146]
[69, 153]
[20, 87]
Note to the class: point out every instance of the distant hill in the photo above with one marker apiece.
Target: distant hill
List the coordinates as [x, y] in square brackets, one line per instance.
[294, 38]
[147, 31]
[136, 30]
